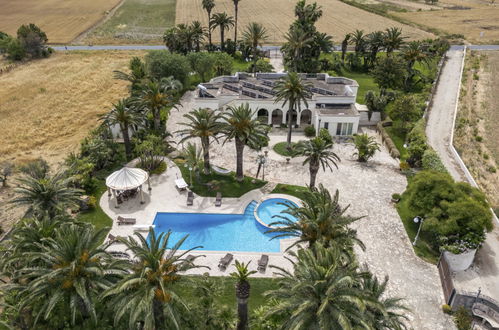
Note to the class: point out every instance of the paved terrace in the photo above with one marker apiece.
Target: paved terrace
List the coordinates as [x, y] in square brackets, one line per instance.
[165, 197]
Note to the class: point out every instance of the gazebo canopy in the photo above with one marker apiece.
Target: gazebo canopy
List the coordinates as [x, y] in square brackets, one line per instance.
[127, 178]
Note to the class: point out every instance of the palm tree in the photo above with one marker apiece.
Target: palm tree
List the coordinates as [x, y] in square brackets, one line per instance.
[414, 52]
[344, 46]
[203, 124]
[293, 90]
[157, 95]
[223, 22]
[317, 153]
[390, 313]
[376, 42]
[253, 36]
[193, 159]
[198, 33]
[208, 5]
[136, 76]
[126, 117]
[366, 147]
[393, 39]
[322, 292]
[297, 41]
[320, 218]
[49, 195]
[242, 125]
[148, 293]
[242, 292]
[236, 10]
[72, 269]
[359, 40]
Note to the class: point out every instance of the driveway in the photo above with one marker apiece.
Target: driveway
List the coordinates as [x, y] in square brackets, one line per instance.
[441, 115]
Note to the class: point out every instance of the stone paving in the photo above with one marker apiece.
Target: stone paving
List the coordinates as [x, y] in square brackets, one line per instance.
[367, 187]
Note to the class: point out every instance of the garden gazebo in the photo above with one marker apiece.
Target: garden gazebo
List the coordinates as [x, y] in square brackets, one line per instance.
[127, 179]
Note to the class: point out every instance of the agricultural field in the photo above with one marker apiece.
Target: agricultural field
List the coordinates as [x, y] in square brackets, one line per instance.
[477, 123]
[135, 21]
[338, 18]
[477, 20]
[62, 20]
[49, 105]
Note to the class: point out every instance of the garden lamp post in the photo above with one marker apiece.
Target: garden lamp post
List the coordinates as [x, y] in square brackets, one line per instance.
[190, 176]
[419, 220]
[261, 161]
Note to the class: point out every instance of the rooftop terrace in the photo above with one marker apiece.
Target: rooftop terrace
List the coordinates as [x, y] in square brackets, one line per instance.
[244, 85]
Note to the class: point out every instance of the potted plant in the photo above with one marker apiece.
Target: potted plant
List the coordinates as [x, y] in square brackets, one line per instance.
[459, 252]
[396, 198]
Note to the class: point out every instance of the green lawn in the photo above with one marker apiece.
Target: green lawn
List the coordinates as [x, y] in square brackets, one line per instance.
[97, 217]
[227, 183]
[398, 138]
[365, 81]
[422, 249]
[239, 66]
[281, 149]
[137, 21]
[228, 296]
[288, 189]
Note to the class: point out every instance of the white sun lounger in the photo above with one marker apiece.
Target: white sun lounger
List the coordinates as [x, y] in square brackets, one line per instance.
[142, 227]
[181, 184]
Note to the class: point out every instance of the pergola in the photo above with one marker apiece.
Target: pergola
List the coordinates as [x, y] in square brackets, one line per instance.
[127, 178]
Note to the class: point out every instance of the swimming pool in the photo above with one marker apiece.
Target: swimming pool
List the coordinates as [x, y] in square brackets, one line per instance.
[218, 232]
[267, 209]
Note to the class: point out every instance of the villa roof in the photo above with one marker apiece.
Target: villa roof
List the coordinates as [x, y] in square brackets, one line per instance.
[339, 110]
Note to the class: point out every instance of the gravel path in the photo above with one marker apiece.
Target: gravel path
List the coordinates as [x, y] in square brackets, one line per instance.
[441, 115]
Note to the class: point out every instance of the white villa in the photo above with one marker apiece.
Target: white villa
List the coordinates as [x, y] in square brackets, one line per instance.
[332, 105]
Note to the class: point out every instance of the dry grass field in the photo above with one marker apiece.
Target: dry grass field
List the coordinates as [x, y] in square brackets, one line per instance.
[276, 15]
[477, 20]
[49, 105]
[62, 20]
[477, 124]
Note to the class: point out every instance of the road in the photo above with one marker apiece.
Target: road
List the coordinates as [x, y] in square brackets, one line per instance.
[441, 115]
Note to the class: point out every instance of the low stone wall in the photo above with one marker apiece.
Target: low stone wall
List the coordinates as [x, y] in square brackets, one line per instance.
[387, 140]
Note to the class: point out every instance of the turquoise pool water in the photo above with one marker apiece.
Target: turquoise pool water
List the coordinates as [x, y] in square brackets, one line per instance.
[219, 232]
[267, 209]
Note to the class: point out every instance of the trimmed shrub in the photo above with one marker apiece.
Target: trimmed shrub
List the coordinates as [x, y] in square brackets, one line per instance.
[309, 131]
[417, 143]
[463, 319]
[446, 309]
[325, 135]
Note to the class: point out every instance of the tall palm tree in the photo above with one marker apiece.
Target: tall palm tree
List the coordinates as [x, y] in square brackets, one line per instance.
[297, 41]
[157, 95]
[344, 46]
[223, 22]
[148, 293]
[136, 76]
[392, 313]
[126, 116]
[198, 33]
[242, 125]
[292, 90]
[376, 42]
[208, 5]
[414, 52]
[49, 195]
[242, 292]
[317, 153]
[72, 269]
[393, 39]
[254, 35]
[358, 38]
[319, 218]
[204, 124]
[236, 11]
[322, 292]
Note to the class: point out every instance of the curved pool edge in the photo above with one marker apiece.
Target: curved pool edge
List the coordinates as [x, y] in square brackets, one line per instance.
[293, 199]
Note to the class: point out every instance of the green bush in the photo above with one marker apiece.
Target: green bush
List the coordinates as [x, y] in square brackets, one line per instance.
[309, 131]
[431, 161]
[417, 143]
[325, 135]
[222, 64]
[92, 202]
[456, 214]
[446, 309]
[163, 64]
[462, 319]
[396, 196]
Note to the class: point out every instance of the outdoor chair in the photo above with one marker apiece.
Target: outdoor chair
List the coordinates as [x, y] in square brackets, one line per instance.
[218, 200]
[126, 221]
[262, 263]
[225, 261]
[190, 198]
[119, 255]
